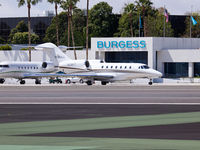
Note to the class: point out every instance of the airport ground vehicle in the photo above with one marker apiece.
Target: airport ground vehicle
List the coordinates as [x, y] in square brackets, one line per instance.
[55, 80]
[74, 80]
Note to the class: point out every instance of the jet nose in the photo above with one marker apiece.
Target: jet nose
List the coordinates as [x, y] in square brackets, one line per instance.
[159, 74]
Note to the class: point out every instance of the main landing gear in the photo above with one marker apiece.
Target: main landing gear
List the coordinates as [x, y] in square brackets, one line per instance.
[37, 81]
[104, 82]
[89, 82]
[22, 81]
[2, 81]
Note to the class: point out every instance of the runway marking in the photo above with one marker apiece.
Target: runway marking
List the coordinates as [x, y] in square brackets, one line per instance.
[57, 103]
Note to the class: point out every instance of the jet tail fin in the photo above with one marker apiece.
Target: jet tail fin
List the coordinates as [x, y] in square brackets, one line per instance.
[56, 55]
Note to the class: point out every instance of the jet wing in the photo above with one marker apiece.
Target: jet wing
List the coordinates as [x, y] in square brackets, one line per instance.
[83, 76]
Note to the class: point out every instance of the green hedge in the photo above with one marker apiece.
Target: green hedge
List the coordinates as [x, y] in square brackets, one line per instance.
[5, 47]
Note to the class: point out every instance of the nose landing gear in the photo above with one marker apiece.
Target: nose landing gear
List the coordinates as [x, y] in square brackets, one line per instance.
[150, 82]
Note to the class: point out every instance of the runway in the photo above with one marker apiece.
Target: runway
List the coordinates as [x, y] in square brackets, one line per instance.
[100, 94]
[99, 117]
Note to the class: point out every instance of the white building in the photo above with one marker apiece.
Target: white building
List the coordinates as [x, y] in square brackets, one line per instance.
[174, 57]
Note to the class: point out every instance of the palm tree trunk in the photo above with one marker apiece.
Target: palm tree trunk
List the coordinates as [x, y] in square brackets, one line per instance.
[29, 30]
[72, 32]
[87, 31]
[57, 33]
[68, 27]
[131, 25]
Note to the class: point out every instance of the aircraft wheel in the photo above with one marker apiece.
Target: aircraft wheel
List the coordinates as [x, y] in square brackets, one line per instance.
[2, 81]
[81, 81]
[103, 83]
[22, 82]
[37, 82]
[150, 83]
[89, 82]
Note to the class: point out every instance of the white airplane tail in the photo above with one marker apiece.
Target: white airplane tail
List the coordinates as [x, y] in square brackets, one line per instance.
[56, 55]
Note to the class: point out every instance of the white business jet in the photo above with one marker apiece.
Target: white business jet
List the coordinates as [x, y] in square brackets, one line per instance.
[24, 70]
[98, 70]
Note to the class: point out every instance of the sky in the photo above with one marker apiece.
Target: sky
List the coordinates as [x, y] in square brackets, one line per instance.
[9, 8]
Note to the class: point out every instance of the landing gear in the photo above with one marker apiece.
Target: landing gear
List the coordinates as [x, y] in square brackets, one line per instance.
[150, 82]
[22, 81]
[37, 81]
[2, 81]
[103, 83]
[89, 82]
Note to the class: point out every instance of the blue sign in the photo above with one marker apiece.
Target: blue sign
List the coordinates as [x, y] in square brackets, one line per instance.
[121, 44]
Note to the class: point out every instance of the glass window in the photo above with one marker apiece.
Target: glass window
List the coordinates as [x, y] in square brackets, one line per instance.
[125, 67]
[197, 69]
[120, 67]
[115, 67]
[111, 67]
[130, 67]
[106, 66]
[176, 70]
[127, 57]
[102, 67]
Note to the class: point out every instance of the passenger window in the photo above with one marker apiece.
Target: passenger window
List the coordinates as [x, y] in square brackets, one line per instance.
[111, 67]
[106, 66]
[120, 67]
[115, 67]
[27, 67]
[125, 67]
[24, 67]
[102, 67]
[130, 67]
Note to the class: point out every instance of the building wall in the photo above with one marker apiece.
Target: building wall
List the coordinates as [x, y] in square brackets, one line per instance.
[16, 55]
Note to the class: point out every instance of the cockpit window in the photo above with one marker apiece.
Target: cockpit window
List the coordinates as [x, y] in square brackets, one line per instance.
[144, 67]
[4, 66]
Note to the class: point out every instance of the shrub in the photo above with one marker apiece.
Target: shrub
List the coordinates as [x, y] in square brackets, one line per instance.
[5, 47]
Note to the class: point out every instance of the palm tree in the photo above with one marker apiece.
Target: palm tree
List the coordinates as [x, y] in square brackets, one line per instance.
[29, 3]
[144, 8]
[69, 5]
[130, 9]
[56, 2]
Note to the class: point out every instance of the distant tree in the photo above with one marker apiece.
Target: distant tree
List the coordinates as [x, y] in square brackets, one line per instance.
[145, 9]
[20, 27]
[22, 38]
[69, 5]
[128, 23]
[130, 10]
[101, 20]
[155, 26]
[56, 2]
[194, 28]
[29, 3]
[79, 24]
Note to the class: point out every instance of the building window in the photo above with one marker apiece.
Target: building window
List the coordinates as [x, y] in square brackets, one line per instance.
[127, 57]
[176, 70]
[197, 69]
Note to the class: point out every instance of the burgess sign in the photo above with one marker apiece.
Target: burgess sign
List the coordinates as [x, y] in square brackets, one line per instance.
[120, 44]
